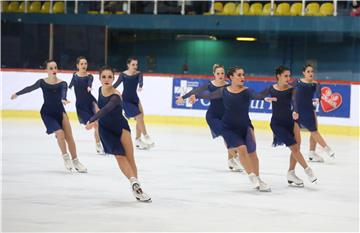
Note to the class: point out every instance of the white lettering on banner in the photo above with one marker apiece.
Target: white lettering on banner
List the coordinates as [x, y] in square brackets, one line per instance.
[254, 104]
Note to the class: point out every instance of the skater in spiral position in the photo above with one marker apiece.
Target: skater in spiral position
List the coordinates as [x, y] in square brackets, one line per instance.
[133, 82]
[53, 114]
[86, 105]
[215, 111]
[115, 131]
[305, 89]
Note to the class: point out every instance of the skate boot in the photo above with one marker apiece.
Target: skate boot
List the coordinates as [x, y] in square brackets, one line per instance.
[263, 187]
[67, 162]
[293, 180]
[254, 180]
[78, 166]
[234, 165]
[137, 191]
[147, 140]
[309, 172]
[314, 157]
[99, 149]
[329, 152]
[141, 145]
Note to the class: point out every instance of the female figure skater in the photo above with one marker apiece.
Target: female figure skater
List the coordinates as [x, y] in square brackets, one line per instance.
[86, 105]
[285, 129]
[238, 131]
[53, 113]
[305, 89]
[132, 78]
[216, 110]
[115, 132]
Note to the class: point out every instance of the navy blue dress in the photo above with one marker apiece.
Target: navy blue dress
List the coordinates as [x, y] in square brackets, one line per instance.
[111, 123]
[52, 109]
[237, 129]
[303, 104]
[85, 101]
[282, 123]
[129, 95]
[216, 109]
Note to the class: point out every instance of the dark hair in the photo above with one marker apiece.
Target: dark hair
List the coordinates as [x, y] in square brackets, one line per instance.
[78, 59]
[106, 67]
[216, 66]
[232, 70]
[46, 62]
[280, 70]
[131, 59]
[306, 66]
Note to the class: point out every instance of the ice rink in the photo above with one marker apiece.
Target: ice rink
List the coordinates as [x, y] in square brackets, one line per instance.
[187, 177]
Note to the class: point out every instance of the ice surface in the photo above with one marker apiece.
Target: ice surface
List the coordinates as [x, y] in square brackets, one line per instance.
[187, 177]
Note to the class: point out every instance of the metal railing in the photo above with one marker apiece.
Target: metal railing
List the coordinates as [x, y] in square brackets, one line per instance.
[127, 6]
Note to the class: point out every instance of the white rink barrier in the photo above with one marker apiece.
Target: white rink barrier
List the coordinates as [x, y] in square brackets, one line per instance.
[157, 97]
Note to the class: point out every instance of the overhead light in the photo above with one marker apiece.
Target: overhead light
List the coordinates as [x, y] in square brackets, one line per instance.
[245, 38]
[194, 37]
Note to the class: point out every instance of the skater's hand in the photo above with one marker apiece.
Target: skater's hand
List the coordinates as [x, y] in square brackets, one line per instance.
[270, 99]
[89, 89]
[89, 125]
[179, 100]
[65, 102]
[295, 115]
[13, 96]
[192, 99]
[140, 89]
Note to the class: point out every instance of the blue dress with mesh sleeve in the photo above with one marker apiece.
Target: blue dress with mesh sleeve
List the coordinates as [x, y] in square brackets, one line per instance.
[111, 123]
[303, 104]
[130, 98]
[52, 109]
[85, 101]
[216, 109]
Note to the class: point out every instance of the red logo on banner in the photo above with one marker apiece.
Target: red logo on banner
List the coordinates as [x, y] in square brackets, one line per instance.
[330, 101]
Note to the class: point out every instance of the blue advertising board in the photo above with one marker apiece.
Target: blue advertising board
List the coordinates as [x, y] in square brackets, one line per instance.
[334, 101]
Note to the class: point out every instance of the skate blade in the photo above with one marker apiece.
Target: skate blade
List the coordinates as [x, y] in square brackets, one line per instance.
[263, 190]
[146, 201]
[235, 170]
[142, 148]
[292, 184]
[81, 171]
[315, 161]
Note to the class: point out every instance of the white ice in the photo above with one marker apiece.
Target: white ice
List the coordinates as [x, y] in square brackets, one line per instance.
[187, 177]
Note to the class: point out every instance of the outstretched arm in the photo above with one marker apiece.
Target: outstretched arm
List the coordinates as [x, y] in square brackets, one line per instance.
[260, 95]
[213, 95]
[196, 91]
[118, 81]
[113, 102]
[72, 82]
[28, 89]
[141, 82]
